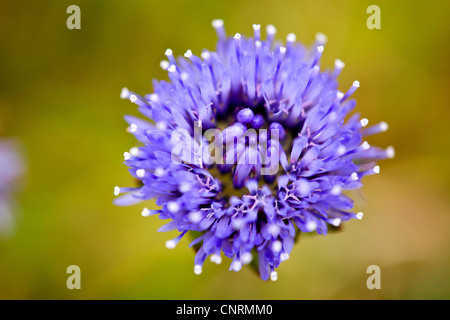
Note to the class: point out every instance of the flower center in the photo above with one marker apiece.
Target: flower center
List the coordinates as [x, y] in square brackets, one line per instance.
[246, 145]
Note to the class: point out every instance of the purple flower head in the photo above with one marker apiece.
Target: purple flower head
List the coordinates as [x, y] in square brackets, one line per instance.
[11, 170]
[248, 147]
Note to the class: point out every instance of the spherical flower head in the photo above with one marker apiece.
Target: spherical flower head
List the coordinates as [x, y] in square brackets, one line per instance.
[249, 146]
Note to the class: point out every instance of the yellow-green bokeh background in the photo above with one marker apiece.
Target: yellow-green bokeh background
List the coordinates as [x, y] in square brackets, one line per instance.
[59, 94]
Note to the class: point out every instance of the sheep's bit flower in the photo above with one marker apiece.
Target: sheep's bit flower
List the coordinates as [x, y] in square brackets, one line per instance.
[248, 148]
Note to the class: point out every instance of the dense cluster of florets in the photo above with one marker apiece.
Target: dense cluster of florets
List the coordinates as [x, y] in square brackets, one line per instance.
[310, 152]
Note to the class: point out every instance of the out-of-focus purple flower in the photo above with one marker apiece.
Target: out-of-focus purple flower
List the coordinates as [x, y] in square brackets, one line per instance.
[11, 170]
[291, 177]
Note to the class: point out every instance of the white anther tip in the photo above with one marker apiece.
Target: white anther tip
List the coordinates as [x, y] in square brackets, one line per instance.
[354, 176]
[277, 246]
[184, 187]
[356, 84]
[273, 229]
[154, 97]
[126, 156]
[336, 222]
[161, 125]
[270, 29]
[205, 55]
[390, 152]
[237, 36]
[336, 190]
[198, 269]
[341, 150]
[124, 93]
[133, 98]
[311, 226]
[133, 127]
[164, 64]
[365, 145]
[320, 49]
[376, 169]
[188, 54]
[184, 76]
[274, 276]
[170, 244]
[134, 151]
[217, 23]
[173, 206]
[116, 191]
[384, 126]
[256, 27]
[169, 52]
[140, 173]
[283, 50]
[172, 68]
[364, 122]
[284, 256]
[291, 37]
[339, 64]
[236, 265]
[195, 216]
[215, 258]
[145, 212]
[321, 38]
[246, 258]
[359, 215]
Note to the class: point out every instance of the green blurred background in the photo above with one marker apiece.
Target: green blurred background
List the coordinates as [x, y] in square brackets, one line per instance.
[59, 94]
